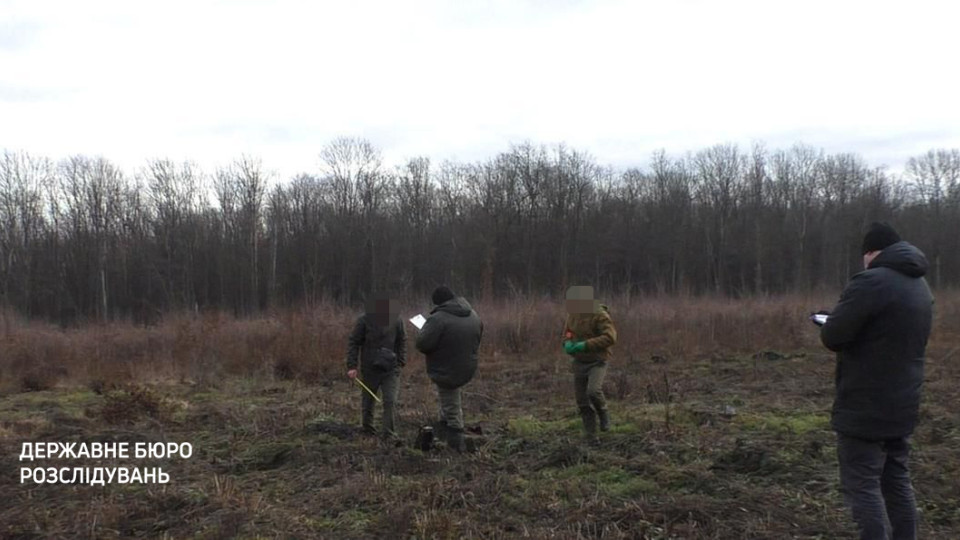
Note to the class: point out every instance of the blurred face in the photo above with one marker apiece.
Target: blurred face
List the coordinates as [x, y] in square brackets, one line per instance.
[382, 308]
[868, 258]
[580, 299]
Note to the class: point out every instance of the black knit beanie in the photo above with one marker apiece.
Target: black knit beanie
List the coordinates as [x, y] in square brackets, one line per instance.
[441, 294]
[879, 236]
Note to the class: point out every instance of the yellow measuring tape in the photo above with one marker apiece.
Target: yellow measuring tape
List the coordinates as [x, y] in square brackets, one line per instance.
[376, 397]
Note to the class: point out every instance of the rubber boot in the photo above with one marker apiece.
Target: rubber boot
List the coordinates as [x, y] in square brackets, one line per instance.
[456, 440]
[604, 419]
[589, 426]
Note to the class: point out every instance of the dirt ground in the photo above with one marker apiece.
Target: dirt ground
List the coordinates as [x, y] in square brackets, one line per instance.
[704, 447]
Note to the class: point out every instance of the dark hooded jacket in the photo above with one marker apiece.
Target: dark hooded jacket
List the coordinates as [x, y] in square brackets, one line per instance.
[450, 339]
[879, 331]
[368, 337]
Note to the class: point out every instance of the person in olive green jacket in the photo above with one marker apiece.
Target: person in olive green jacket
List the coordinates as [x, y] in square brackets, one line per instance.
[588, 335]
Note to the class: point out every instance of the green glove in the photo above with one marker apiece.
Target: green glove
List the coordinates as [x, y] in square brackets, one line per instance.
[570, 347]
[567, 345]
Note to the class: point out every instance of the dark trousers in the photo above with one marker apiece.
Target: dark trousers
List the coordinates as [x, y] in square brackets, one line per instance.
[388, 383]
[875, 482]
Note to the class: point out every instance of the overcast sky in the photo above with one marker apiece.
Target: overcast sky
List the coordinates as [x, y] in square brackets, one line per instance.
[461, 79]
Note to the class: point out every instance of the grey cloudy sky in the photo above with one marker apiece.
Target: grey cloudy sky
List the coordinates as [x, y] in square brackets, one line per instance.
[211, 80]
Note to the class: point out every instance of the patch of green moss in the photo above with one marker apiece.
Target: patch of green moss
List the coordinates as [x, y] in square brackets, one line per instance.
[65, 399]
[612, 481]
[626, 427]
[270, 455]
[355, 520]
[34, 404]
[528, 426]
[797, 424]
[318, 524]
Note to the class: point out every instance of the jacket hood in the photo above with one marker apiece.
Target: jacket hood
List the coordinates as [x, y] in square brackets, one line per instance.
[903, 257]
[458, 307]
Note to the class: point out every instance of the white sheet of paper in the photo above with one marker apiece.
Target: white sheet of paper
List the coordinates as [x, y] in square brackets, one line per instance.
[819, 319]
[418, 321]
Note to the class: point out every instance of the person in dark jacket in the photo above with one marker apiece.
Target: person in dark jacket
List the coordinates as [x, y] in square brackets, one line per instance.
[377, 345]
[879, 330]
[588, 335]
[450, 339]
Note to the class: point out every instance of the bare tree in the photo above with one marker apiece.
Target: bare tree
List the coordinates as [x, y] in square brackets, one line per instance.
[416, 195]
[240, 191]
[936, 178]
[80, 239]
[174, 197]
[720, 188]
[23, 179]
[357, 189]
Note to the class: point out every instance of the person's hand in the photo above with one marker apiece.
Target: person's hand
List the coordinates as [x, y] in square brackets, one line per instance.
[566, 346]
[352, 374]
[819, 318]
[578, 347]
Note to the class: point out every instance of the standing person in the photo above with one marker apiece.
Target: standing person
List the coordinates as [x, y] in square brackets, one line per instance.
[379, 342]
[879, 330]
[450, 339]
[587, 337]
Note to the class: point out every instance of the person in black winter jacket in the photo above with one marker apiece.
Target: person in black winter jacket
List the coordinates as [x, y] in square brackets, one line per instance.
[879, 330]
[377, 346]
[450, 339]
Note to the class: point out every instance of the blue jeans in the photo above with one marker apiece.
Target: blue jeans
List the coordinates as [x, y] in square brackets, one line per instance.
[875, 482]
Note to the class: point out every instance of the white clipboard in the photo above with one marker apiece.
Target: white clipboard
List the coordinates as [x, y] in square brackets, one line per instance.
[418, 321]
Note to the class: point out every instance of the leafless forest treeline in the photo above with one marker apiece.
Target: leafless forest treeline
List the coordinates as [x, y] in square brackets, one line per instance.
[82, 240]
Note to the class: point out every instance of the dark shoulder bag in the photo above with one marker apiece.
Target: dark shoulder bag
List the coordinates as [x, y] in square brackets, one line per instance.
[386, 359]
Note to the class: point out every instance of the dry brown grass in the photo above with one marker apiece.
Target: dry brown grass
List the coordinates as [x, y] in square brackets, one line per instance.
[310, 344]
[710, 440]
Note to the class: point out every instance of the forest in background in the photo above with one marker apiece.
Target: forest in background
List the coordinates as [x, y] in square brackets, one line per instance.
[83, 240]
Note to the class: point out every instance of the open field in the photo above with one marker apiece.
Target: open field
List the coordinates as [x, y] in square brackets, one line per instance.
[720, 408]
